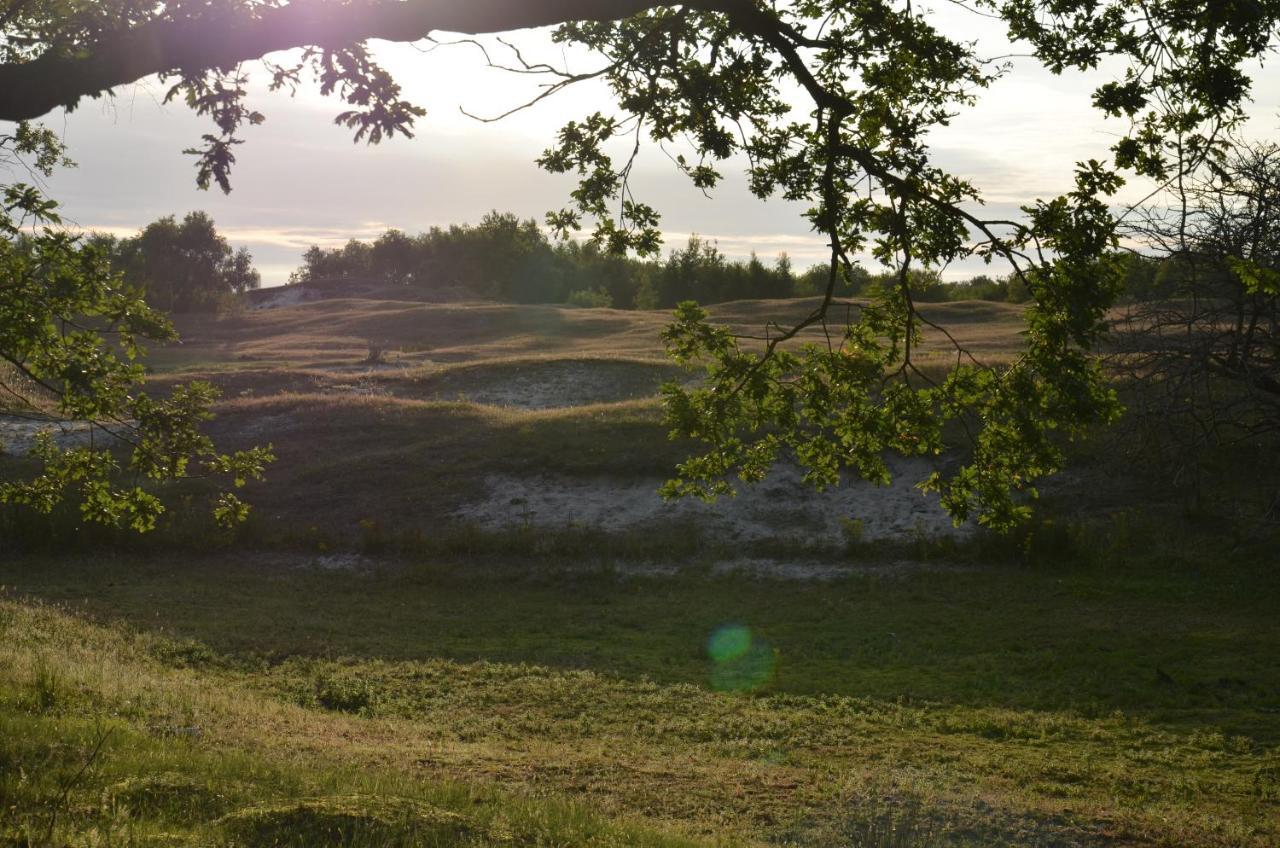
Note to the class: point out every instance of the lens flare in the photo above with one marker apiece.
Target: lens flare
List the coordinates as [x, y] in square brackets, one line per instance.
[739, 660]
[729, 642]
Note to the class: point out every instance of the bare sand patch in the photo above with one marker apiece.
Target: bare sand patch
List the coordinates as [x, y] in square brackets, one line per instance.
[282, 296]
[339, 562]
[18, 434]
[781, 508]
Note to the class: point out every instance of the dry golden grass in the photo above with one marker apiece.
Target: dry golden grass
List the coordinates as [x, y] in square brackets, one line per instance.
[214, 738]
[338, 333]
[988, 330]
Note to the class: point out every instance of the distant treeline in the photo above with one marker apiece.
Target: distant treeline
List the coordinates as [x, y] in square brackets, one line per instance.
[511, 260]
[187, 266]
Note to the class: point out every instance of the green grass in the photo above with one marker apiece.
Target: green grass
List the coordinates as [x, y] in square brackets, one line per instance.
[102, 744]
[1073, 637]
[1103, 681]
[1123, 693]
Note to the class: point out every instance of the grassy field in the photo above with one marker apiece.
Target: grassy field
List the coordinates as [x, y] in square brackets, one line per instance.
[355, 668]
[106, 741]
[339, 332]
[1078, 704]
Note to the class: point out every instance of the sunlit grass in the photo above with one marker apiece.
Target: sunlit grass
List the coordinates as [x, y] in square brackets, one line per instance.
[1062, 701]
[101, 743]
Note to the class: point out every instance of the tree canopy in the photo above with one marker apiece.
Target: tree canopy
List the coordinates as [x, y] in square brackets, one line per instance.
[504, 258]
[185, 266]
[71, 335]
[873, 77]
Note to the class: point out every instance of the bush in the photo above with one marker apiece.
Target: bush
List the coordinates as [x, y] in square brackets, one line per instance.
[590, 299]
[343, 694]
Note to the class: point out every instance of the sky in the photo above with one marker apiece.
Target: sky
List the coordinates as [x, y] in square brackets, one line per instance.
[300, 181]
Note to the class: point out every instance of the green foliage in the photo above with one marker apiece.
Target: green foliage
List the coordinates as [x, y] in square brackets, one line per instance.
[835, 407]
[700, 272]
[1255, 278]
[342, 693]
[879, 80]
[45, 685]
[590, 298]
[502, 257]
[508, 259]
[71, 331]
[181, 267]
[926, 285]
[850, 280]
[832, 104]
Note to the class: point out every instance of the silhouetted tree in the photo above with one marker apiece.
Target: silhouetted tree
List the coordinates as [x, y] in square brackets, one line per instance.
[832, 104]
[185, 266]
[1204, 343]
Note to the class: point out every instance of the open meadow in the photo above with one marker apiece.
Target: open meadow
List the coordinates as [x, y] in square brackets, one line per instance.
[714, 424]
[460, 615]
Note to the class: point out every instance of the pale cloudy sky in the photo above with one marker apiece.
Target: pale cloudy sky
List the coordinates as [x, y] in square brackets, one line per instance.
[300, 181]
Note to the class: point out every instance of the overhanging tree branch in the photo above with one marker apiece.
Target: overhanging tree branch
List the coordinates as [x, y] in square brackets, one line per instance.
[61, 78]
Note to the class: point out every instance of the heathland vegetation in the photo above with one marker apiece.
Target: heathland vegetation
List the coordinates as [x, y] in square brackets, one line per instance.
[997, 573]
[370, 659]
[416, 638]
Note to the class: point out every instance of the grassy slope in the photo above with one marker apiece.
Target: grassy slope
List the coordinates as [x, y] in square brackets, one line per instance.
[1123, 693]
[1071, 706]
[104, 743]
[293, 377]
[333, 333]
[338, 333]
